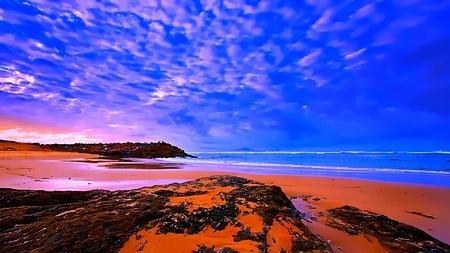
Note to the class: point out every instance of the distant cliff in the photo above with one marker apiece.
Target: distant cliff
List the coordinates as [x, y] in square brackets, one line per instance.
[128, 149]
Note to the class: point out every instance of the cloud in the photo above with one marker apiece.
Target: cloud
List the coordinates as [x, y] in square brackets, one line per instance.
[311, 58]
[17, 134]
[355, 54]
[13, 81]
[355, 65]
[364, 11]
[203, 71]
[324, 22]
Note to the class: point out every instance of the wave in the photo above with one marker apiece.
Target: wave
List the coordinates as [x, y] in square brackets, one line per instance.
[302, 166]
[322, 152]
[432, 152]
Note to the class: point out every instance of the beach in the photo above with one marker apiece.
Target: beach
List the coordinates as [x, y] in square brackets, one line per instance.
[424, 207]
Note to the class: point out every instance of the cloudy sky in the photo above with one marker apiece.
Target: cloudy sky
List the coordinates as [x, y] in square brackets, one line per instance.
[228, 74]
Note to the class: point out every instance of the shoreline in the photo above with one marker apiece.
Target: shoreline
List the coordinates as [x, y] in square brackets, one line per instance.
[45, 165]
[425, 178]
[312, 194]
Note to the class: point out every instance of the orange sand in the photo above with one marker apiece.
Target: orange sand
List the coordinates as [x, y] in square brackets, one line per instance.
[37, 170]
[389, 199]
[148, 240]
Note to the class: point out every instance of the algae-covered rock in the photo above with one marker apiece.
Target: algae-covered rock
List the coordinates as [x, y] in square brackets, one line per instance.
[108, 221]
[392, 235]
[127, 149]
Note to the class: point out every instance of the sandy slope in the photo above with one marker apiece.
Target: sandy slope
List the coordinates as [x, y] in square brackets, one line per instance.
[18, 146]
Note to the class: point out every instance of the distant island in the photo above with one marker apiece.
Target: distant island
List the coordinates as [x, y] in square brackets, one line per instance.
[159, 149]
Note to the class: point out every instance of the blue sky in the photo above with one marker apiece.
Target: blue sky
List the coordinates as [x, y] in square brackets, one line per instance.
[213, 74]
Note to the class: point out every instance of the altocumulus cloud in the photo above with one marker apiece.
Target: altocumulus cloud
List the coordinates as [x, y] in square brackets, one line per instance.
[229, 74]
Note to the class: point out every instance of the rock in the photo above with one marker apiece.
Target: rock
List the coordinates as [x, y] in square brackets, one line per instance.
[107, 221]
[128, 149]
[392, 235]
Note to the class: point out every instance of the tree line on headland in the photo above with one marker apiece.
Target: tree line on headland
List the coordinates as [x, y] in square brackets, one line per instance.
[128, 149]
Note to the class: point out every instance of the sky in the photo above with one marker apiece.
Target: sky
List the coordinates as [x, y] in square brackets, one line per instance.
[228, 74]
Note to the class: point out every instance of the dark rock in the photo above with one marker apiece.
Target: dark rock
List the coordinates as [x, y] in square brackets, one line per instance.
[421, 214]
[128, 149]
[392, 235]
[272, 196]
[94, 221]
[193, 222]
[246, 234]
[227, 250]
[102, 221]
[204, 249]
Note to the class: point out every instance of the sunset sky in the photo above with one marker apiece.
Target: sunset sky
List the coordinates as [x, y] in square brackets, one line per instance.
[213, 74]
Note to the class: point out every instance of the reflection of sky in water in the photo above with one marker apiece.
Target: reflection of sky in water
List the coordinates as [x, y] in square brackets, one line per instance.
[74, 163]
[66, 184]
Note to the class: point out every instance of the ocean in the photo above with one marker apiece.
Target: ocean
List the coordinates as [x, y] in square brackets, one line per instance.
[429, 168]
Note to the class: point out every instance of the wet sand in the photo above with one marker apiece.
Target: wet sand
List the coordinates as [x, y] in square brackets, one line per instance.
[424, 207]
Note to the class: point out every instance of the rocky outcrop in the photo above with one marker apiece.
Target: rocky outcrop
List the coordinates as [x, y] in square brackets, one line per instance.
[394, 236]
[128, 149]
[243, 215]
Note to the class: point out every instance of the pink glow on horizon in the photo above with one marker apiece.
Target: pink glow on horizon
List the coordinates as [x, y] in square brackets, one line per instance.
[15, 130]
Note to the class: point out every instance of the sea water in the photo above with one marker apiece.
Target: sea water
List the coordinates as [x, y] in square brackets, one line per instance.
[430, 168]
